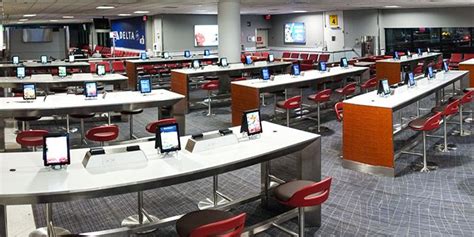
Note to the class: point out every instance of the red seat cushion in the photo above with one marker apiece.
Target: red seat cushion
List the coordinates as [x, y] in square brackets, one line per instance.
[31, 137]
[151, 127]
[103, 133]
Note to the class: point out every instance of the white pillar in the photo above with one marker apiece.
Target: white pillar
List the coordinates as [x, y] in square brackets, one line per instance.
[228, 19]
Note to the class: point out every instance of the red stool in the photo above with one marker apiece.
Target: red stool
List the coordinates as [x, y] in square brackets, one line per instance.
[338, 110]
[209, 87]
[210, 223]
[103, 133]
[151, 127]
[347, 90]
[291, 103]
[31, 138]
[464, 99]
[446, 110]
[369, 84]
[320, 97]
[425, 124]
[300, 194]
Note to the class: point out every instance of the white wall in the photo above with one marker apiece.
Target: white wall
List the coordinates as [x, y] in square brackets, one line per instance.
[357, 24]
[56, 48]
[256, 22]
[334, 37]
[314, 30]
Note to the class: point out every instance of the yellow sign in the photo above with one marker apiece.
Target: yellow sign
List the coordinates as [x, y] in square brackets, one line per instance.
[333, 21]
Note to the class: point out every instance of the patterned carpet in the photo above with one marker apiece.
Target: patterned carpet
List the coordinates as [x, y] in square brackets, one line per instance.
[439, 203]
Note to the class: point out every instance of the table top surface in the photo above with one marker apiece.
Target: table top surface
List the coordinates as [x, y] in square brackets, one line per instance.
[404, 59]
[467, 62]
[403, 94]
[364, 63]
[308, 76]
[173, 59]
[71, 101]
[32, 179]
[76, 77]
[231, 67]
[49, 64]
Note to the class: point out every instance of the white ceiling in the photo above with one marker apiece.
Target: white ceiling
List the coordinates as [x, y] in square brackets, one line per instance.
[85, 10]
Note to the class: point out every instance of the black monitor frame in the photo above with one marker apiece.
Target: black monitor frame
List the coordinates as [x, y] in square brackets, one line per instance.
[59, 71]
[295, 69]
[148, 81]
[322, 66]
[248, 60]
[16, 58]
[221, 62]
[85, 90]
[244, 122]
[187, 54]
[207, 52]
[34, 91]
[384, 87]
[265, 69]
[158, 140]
[21, 76]
[42, 61]
[98, 71]
[45, 149]
[344, 63]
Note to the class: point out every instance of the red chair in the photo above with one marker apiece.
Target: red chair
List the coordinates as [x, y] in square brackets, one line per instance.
[313, 57]
[105, 133]
[304, 56]
[208, 223]
[425, 124]
[209, 87]
[338, 109]
[468, 56]
[286, 55]
[265, 55]
[92, 67]
[291, 103]
[301, 194]
[320, 97]
[446, 110]
[323, 57]
[369, 84]
[31, 138]
[466, 98]
[295, 55]
[347, 90]
[418, 70]
[118, 66]
[151, 127]
[455, 59]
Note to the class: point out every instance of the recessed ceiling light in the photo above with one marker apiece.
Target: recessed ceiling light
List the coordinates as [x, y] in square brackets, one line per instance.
[20, 22]
[124, 14]
[29, 15]
[104, 7]
[141, 12]
[68, 17]
[23, 19]
[52, 20]
[393, 6]
[299, 11]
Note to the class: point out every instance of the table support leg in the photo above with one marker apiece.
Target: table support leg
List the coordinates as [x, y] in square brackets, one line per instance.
[142, 216]
[3, 220]
[2, 134]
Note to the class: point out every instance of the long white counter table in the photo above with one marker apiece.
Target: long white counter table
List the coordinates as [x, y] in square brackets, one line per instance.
[70, 80]
[31, 64]
[246, 94]
[368, 131]
[31, 183]
[63, 104]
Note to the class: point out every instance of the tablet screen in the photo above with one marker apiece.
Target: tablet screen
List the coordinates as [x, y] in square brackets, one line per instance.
[445, 66]
[62, 72]
[207, 52]
[296, 69]
[143, 56]
[44, 59]
[248, 59]
[56, 149]
[196, 64]
[166, 55]
[271, 58]
[322, 66]
[386, 87]
[29, 91]
[71, 58]
[145, 86]
[100, 69]
[344, 62]
[187, 54]
[251, 122]
[16, 59]
[265, 74]
[90, 89]
[396, 55]
[167, 138]
[411, 79]
[430, 73]
[20, 72]
[224, 62]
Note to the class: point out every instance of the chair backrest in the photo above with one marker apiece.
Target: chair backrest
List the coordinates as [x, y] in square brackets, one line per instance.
[231, 227]
[295, 55]
[212, 85]
[106, 64]
[152, 126]
[324, 57]
[418, 69]
[112, 132]
[313, 57]
[285, 55]
[338, 110]
[257, 54]
[371, 83]
[304, 56]
[118, 66]
[293, 102]
[311, 195]
[468, 56]
[452, 108]
[432, 122]
[349, 88]
[455, 58]
[27, 138]
[323, 95]
[265, 54]
[92, 67]
[467, 97]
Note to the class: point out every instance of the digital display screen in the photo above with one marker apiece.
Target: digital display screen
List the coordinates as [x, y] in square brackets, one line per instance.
[265, 74]
[56, 150]
[90, 89]
[411, 79]
[71, 58]
[166, 55]
[187, 54]
[167, 138]
[445, 66]
[271, 58]
[296, 69]
[344, 62]
[428, 50]
[143, 56]
[207, 52]
[16, 60]
[419, 51]
[100, 70]
[20, 72]
[254, 125]
[385, 87]
[62, 72]
[145, 86]
[322, 66]
[206, 35]
[224, 62]
[395, 55]
[29, 92]
[248, 59]
[196, 64]
[44, 59]
[430, 73]
[408, 53]
[295, 33]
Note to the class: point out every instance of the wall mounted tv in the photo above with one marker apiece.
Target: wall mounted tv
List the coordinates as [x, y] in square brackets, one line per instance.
[295, 33]
[37, 35]
[206, 35]
[101, 24]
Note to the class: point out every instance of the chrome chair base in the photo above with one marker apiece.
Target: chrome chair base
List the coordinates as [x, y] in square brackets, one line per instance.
[430, 166]
[462, 133]
[133, 220]
[43, 232]
[450, 147]
[209, 203]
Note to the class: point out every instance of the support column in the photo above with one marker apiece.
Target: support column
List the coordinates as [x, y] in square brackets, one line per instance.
[228, 19]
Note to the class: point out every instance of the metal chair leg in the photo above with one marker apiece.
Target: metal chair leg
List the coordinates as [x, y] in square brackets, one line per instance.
[217, 197]
[49, 230]
[445, 147]
[142, 216]
[301, 221]
[288, 118]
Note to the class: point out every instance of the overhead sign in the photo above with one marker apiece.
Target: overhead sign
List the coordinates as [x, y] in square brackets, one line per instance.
[333, 21]
[130, 33]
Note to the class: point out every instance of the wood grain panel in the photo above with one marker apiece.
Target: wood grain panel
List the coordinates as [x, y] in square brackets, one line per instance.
[180, 84]
[368, 135]
[131, 74]
[469, 68]
[390, 71]
[243, 99]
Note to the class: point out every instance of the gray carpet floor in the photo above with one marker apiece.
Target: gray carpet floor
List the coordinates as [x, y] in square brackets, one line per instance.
[439, 203]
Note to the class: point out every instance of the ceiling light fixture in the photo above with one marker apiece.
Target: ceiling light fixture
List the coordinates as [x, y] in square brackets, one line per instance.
[299, 11]
[393, 6]
[29, 15]
[68, 17]
[104, 7]
[124, 14]
[52, 20]
[23, 19]
[141, 12]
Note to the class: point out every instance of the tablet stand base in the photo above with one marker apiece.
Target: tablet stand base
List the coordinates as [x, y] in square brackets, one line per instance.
[58, 167]
[43, 232]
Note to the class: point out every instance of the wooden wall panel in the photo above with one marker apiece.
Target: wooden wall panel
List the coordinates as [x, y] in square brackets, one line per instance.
[243, 99]
[469, 68]
[390, 71]
[179, 84]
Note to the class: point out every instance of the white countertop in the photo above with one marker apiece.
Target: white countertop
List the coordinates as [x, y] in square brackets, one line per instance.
[32, 179]
[231, 67]
[49, 64]
[307, 76]
[414, 57]
[404, 94]
[467, 62]
[173, 59]
[76, 77]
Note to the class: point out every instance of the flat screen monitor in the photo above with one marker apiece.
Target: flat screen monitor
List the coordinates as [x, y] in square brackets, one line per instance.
[44, 59]
[322, 66]
[90, 89]
[62, 72]
[16, 60]
[271, 58]
[56, 149]
[196, 64]
[445, 66]
[206, 35]
[166, 55]
[411, 79]
[143, 56]
[295, 33]
[207, 52]
[429, 72]
[100, 69]
[428, 50]
[29, 91]
[408, 53]
[251, 122]
[384, 87]
[395, 55]
[20, 72]
[145, 86]
[223, 62]
[419, 51]
[71, 58]
[344, 62]
[295, 69]
[248, 60]
[265, 74]
[167, 138]
[187, 54]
